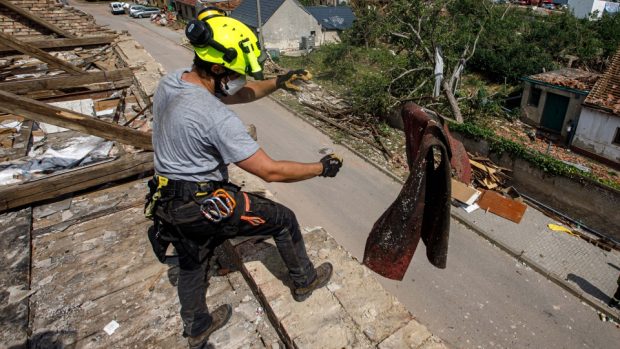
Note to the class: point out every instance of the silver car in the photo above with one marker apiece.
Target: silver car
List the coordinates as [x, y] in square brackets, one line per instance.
[146, 12]
[133, 8]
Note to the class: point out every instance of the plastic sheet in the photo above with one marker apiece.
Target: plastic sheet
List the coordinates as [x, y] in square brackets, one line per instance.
[78, 151]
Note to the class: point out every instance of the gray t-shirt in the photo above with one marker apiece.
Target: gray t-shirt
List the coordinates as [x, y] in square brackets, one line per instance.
[194, 134]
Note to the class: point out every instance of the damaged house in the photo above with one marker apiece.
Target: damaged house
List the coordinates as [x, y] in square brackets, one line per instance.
[552, 100]
[598, 131]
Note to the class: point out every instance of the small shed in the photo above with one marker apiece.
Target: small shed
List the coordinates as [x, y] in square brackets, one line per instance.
[286, 23]
[598, 130]
[333, 21]
[552, 100]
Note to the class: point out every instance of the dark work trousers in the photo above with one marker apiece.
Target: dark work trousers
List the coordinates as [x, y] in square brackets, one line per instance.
[195, 243]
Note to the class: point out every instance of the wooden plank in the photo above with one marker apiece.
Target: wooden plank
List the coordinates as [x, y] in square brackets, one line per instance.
[52, 44]
[40, 21]
[502, 206]
[17, 195]
[463, 193]
[65, 82]
[94, 91]
[42, 112]
[39, 54]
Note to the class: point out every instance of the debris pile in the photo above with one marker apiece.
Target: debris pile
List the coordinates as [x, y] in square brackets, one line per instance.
[524, 134]
[487, 174]
[166, 18]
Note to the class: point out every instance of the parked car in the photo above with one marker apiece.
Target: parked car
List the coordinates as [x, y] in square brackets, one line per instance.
[117, 8]
[146, 12]
[133, 8]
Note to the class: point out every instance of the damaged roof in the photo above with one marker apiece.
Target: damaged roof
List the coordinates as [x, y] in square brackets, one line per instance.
[606, 92]
[246, 12]
[579, 81]
[333, 18]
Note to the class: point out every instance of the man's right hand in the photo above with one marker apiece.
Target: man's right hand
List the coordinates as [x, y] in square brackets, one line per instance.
[331, 165]
[286, 81]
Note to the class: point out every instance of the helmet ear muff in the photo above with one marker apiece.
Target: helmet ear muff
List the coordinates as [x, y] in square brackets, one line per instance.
[199, 34]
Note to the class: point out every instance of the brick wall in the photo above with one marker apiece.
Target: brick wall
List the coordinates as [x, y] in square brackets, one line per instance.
[66, 18]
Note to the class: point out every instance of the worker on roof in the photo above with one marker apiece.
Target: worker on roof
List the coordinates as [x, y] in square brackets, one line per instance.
[195, 137]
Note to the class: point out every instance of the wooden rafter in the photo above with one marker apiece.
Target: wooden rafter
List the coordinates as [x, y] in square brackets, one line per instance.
[39, 111]
[65, 82]
[39, 54]
[40, 21]
[55, 185]
[51, 44]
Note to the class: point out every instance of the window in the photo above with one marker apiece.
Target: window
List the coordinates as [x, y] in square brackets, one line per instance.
[616, 140]
[534, 98]
[313, 33]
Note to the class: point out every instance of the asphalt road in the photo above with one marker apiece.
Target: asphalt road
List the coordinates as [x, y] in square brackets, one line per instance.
[484, 299]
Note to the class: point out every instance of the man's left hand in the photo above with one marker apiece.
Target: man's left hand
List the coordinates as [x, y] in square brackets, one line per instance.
[286, 81]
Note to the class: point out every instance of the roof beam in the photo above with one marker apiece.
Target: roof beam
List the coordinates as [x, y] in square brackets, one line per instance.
[39, 54]
[65, 82]
[39, 111]
[51, 44]
[65, 182]
[40, 21]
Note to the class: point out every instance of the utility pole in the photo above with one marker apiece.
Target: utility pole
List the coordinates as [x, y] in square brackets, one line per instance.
[261, 41]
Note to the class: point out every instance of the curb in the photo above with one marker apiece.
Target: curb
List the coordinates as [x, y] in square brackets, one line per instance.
[457, 216]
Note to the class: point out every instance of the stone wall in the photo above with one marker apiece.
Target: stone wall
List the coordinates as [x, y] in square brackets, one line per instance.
[66, 18]
[583, 200]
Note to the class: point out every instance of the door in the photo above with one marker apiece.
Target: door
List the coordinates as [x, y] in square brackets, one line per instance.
[554, 112]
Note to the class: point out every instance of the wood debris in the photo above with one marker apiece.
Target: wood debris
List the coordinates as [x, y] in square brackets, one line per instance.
[488, 175]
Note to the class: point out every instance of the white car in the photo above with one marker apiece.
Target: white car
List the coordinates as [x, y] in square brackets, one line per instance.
[117, 8]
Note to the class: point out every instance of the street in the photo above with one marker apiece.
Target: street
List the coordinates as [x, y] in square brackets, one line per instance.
[484, 299]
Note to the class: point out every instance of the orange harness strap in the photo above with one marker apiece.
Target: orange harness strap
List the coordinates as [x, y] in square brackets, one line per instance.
[253, 220]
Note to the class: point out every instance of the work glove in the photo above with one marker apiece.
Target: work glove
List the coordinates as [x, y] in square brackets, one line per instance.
[331, 165]
[286, 81]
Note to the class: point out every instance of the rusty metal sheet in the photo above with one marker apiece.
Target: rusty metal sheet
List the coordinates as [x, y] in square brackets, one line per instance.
[494, 202]
[422, 209]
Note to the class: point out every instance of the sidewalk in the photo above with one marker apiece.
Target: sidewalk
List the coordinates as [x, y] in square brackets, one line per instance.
[583, 269]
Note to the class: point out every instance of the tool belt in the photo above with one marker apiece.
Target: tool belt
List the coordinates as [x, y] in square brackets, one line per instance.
[214, 201]
[171, 203]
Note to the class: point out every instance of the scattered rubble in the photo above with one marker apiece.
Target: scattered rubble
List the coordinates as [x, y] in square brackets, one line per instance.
[524, 134]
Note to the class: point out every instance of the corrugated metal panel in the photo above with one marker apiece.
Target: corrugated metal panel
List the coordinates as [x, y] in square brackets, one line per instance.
[333, 18]
[246, 12]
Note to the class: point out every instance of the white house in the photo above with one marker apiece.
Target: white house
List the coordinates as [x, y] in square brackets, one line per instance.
[598, 129]
[286, 24]
[584, 8]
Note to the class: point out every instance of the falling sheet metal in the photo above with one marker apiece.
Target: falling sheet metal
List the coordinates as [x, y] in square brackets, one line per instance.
[422, 209]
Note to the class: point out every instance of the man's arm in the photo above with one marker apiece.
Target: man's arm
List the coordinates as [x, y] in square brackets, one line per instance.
[261, 165]
[252, 91]
[258, 89]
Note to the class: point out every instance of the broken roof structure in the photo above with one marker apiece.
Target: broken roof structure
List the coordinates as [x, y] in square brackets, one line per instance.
[579, 81]
[82, 96]
[605, 94]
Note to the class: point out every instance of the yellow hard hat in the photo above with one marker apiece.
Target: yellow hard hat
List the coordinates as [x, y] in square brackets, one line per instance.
[226, 41]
